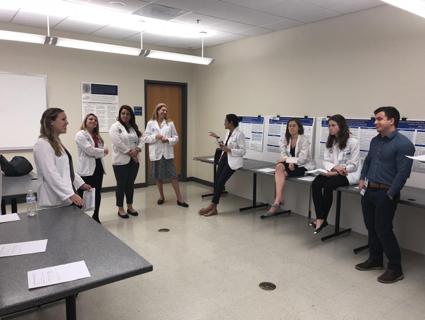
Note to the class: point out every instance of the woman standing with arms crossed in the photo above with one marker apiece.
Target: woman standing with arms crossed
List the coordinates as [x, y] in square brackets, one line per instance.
[161, 135]
[58, 182]
[342, 161]
[231, 159]
[295, 160]
[91, 151]
[126, 146]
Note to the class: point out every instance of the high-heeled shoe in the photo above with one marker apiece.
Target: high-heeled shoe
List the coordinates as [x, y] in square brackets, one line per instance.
[322, 226]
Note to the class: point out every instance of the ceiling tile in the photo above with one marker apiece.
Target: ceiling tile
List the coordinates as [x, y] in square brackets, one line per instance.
[124, 6]
[255, 31]
[346, 6]
[255, 4]
[301, 11]
[77, 26]
[283, 24]
[115, 33]
[147, 38]
[236, 13]
[223, 38]
[35, 20]
[7, 15]
[188, 5]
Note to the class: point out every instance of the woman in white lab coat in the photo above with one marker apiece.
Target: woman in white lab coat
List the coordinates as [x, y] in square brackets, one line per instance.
[342, 162]
[161, 135]
[91, 150]
[294, 161]
[126, 146]
[58, 182]
[231, 159]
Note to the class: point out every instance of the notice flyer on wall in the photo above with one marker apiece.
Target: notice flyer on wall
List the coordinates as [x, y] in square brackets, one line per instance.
[102, 100]
[253, 129]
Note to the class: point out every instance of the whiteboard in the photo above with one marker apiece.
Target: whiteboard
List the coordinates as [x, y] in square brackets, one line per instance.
[23, 99]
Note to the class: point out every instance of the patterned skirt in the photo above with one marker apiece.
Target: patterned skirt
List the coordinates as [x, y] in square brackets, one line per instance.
[163, 169]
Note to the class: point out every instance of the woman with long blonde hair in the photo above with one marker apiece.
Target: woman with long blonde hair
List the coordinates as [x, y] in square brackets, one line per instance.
[58, 182]
[161, 135]
[91, 150]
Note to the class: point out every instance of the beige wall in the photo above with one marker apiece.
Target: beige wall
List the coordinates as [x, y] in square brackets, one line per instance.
[349, 65]
[67, 68]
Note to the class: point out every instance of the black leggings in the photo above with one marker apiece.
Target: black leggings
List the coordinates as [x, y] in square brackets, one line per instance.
[125, 175]
[95, 181]
[322, 189]
[224, 172]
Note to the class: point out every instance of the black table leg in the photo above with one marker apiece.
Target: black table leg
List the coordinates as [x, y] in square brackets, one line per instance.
[357, 250]
[71, 308]
[14, 205]
[3, 206]
[309, 203]
[254, 196]
[337, 231]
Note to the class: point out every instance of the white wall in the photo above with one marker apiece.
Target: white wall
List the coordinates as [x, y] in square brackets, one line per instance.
[349, 65]
[67, 68]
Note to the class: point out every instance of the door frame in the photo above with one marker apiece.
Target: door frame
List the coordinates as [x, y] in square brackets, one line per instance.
[182, 135]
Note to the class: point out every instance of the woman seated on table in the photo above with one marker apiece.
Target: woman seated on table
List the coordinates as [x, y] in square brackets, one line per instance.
[58, 181]
[231, 159]
[342, 163]
[295, 160]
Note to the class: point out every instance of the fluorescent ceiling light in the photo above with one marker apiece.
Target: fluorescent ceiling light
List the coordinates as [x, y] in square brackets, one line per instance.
[99, 15]
[164, 55]
[413, 6]
[97, 46]
[22, 37]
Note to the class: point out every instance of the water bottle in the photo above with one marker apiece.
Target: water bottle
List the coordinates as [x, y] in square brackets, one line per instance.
[31, 204]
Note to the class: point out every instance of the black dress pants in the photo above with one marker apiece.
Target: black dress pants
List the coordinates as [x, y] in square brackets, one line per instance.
[322, 190]
[223, 173]
[378, 214]
[125, 175]
[95, 181]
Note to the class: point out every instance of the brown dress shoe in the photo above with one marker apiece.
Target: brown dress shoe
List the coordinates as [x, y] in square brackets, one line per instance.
[212, 212]
[390, 276]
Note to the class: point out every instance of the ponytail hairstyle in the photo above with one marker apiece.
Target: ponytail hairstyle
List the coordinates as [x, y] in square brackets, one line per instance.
[46, 130]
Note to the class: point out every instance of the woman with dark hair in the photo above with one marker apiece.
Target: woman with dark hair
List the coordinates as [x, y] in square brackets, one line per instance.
[126, 146]
[91, 151]
[231, 159]
[295, 160]
[58, 182]
[342, 162]
[161, 135]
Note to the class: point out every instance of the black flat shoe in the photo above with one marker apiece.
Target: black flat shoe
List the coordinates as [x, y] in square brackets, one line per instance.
[124, 216]
[324, 224]
[160, 201]
[133, 213]
[182, 204]
[312, 224]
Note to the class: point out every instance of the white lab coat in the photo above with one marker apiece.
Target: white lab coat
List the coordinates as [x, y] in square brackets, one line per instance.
[349, 158]
[158, 149]
[121, 143]
[302, 151]
[237, 146]
[87, 154]
[54, 176]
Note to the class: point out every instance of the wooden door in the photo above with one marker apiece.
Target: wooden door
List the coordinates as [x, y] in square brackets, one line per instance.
[174, 96]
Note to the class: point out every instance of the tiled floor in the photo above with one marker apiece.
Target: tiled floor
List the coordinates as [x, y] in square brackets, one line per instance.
[210, 268]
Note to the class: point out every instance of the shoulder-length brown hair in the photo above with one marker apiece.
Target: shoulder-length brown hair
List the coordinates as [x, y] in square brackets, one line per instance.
[132, 123]
[155, 112]
[95, 130]
[343, 134]
[300, 129]
[46, 130]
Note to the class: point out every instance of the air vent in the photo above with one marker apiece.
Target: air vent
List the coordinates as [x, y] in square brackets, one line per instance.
[158, 11]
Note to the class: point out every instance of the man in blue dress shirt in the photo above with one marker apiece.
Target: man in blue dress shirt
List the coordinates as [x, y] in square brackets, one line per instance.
[385, 171]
